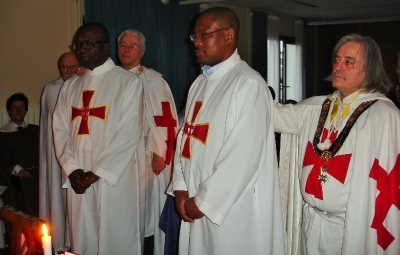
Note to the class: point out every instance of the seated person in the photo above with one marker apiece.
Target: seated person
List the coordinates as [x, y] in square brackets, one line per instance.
[19, 158]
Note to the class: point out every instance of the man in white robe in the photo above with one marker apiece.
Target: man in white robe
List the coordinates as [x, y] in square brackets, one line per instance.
[98, 124]
[349, 185]
[52, 204]
[225, 171]
[161, 126]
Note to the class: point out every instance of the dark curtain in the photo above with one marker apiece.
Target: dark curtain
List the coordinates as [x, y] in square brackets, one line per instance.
[259, 43]
[166, 28]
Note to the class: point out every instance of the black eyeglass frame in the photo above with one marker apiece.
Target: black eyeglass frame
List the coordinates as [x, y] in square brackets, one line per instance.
[88, 45]
[200, 36]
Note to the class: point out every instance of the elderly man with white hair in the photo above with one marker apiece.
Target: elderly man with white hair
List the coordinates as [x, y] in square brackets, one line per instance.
[161, 127]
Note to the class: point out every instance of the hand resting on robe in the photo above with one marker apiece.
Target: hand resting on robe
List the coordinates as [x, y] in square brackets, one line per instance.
[192, 210]
[91, 178]
[76, 179]
[180, 198]
[80, 180]
[158, 164]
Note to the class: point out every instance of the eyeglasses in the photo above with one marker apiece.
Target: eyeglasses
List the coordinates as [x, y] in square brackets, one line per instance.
[88, 45]
[70, 67]
[194, 37]
[129, 46]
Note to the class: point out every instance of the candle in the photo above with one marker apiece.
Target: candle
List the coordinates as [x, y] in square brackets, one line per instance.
[46, 241]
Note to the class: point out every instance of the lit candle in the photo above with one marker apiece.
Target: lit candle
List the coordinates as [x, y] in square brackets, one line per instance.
[46, 241]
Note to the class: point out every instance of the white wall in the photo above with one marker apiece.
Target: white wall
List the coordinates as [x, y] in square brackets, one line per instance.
[34, 34]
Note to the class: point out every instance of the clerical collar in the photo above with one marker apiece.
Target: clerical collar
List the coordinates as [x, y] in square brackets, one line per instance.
[105, 67]
[209, 70]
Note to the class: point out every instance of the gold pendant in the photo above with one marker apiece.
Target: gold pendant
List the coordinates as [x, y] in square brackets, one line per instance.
[326, 155]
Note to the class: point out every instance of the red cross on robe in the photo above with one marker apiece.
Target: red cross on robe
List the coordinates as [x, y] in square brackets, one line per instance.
[167, 120]
[85, 112]
[337, 167]
[197, 131]
[389, 194]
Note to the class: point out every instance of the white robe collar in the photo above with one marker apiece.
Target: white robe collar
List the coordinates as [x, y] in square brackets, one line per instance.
[225, 66]
[107, 66]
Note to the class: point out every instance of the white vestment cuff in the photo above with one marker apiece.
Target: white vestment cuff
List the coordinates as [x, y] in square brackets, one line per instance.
[209, 211]
[179, 185]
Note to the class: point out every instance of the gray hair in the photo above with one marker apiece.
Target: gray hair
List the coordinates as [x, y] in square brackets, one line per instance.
[137, 33]
[376, 79]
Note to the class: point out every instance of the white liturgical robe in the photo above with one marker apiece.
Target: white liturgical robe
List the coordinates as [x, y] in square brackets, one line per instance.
[356, 211]
[98, 125]
[52, 198]
[226, 158]
[161, 126]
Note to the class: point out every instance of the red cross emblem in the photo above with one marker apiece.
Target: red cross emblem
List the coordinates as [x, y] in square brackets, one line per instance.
[337, 167]
[389, 194]
[85, 112]
[197, 131]
[167, 120]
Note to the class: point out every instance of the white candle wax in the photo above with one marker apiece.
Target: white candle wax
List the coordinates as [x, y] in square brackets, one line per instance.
[46, 241]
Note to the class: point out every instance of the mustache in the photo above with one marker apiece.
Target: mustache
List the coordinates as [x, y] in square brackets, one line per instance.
[338, 73]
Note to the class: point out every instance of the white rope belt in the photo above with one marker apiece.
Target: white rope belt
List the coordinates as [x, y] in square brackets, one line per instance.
[330, 215]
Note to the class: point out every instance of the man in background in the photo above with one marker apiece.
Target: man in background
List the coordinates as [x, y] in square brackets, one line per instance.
[160, 130]
[19, 157]
[98, 125]
[225, 176]
[52, 204]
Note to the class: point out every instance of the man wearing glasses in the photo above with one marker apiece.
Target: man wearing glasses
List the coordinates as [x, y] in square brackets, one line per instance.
[161, 126]
[225, 171]
[52, 197]
[97, 125]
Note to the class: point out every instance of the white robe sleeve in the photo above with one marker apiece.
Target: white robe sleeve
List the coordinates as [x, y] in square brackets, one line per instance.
[242, 156]
[156, 91]
[61, 134]
[285, 119]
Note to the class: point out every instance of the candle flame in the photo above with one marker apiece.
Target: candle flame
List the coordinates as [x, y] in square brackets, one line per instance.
[44, 230]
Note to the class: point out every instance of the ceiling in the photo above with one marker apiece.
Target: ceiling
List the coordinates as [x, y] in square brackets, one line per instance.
[321, 11]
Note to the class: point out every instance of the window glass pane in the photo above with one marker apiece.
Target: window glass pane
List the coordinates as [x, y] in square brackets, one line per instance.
[290, 71]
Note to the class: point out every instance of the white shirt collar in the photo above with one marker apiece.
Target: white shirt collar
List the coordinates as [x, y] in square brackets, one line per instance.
[14, 126]
[209, 70]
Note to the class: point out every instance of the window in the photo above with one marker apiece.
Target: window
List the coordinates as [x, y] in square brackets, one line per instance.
[286, 68]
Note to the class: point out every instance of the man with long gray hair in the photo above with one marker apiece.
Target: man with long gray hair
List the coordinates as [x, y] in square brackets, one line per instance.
[347, 158]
